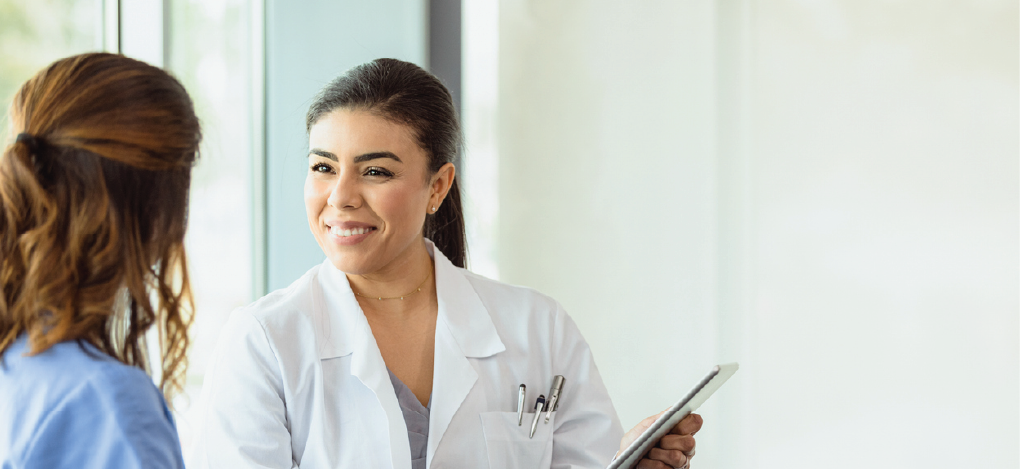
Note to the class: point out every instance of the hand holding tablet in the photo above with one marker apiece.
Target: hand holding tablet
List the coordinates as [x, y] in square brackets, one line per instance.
[665, 422]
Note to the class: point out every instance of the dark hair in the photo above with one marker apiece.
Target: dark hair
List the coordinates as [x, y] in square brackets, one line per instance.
[407, 94]
[94, 195]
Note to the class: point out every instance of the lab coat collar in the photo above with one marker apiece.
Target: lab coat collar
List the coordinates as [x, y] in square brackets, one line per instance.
[337, 311]
[460, 309]
[464, 330]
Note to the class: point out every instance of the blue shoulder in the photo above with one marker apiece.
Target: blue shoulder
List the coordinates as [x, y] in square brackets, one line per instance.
[108, 415]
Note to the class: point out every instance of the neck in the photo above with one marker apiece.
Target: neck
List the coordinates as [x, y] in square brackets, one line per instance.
[399, 280]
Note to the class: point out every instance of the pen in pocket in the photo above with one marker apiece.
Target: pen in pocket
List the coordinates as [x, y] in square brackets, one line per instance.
[519, 407]
[538, 408]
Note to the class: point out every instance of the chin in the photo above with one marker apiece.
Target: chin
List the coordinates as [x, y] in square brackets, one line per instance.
[349, 265]
[345, 265]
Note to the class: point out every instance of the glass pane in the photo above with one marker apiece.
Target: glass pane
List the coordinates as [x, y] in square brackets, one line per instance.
[210, 50]
[35, 33]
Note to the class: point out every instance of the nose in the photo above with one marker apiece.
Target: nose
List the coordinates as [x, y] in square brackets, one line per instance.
[345, 195]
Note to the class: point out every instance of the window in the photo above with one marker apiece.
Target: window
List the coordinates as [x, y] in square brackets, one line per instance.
[209, 49]
[212, 47]
[34, 34]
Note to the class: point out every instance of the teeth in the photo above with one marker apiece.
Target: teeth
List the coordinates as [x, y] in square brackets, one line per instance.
[350, 232]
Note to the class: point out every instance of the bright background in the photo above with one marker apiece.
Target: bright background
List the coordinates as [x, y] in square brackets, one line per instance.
[826, 192]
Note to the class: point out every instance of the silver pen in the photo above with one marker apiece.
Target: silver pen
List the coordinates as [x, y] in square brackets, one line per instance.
[554, 395]
[519, 407]
[538, 408]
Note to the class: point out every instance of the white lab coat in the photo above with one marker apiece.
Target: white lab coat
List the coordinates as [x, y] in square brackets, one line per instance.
[297, 380]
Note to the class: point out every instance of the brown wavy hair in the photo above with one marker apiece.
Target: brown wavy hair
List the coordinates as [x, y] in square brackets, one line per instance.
[94, 195]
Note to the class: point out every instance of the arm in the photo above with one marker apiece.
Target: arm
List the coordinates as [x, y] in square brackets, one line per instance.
[243, 422]
[588, 430]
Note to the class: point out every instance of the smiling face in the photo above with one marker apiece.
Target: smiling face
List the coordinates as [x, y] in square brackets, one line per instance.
[367, 192]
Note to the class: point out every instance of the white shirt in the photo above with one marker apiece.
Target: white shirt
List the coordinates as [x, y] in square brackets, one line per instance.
[297, 380]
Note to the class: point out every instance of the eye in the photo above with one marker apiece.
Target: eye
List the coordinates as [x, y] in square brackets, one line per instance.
[321, 168]
[377, 171]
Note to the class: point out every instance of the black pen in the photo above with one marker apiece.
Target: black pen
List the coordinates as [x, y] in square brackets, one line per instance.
[538, 408]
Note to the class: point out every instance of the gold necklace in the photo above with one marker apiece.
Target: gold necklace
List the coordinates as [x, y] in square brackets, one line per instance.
[397, 297]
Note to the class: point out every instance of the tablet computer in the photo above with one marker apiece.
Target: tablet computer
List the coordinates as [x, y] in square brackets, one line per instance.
[690, 402]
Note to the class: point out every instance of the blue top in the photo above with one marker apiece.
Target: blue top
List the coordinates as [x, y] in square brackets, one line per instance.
[66, 408]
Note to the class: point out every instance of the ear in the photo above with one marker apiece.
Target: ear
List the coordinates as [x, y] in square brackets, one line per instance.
[440, 184]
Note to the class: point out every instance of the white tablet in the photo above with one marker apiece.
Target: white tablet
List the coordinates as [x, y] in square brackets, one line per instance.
[690, 402]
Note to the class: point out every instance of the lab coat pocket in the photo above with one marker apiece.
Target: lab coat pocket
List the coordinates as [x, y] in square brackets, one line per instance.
[510, 445]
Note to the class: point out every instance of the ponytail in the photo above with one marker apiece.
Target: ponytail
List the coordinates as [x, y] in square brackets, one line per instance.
[445, 227]
[93, 209]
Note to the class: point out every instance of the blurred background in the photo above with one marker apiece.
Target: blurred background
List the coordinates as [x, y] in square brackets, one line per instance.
[825, 191]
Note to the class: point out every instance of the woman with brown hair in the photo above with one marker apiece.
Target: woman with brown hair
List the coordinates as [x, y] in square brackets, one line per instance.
[93, 207]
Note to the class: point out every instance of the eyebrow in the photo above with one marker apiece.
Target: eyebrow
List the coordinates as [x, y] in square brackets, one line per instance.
[358, 159]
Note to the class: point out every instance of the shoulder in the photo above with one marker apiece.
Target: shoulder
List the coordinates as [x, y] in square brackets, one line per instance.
[282, 327]
[283, 304]
[278, 315]
[123, 391]
[500, 296]
[68, 369]
[508, 305]
[521, 312]
[80, 404]
[97, 384]
[123, 413]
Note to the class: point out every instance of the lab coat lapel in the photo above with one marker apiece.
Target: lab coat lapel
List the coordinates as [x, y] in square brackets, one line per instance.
[453, 379]
[367, 364]
[464, 330]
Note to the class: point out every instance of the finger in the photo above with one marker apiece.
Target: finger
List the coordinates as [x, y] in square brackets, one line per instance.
[652, 464]
[682, 443]
[670, 457]
[639, 428]
[636, 431]
[689, 425]
[644, 424]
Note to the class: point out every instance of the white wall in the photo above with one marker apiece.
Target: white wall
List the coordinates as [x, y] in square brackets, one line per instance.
[607, 147]
[884, 189]
[824, 191]
[606, 182]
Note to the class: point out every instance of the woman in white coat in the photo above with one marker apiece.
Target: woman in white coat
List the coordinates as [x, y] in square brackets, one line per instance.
[389, 353]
